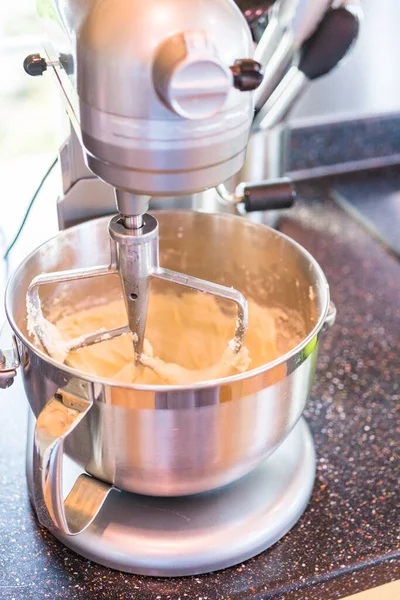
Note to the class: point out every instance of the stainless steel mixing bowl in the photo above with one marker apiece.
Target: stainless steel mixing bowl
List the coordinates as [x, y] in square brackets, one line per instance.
[161, 440]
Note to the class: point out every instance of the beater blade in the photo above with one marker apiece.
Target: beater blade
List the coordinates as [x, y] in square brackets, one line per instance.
[135, 258]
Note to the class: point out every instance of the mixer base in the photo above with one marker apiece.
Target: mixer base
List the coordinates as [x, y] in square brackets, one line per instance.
[198, 534]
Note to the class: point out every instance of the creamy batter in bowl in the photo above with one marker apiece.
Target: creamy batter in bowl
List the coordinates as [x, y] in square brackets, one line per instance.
[169, 440]
[186, 339]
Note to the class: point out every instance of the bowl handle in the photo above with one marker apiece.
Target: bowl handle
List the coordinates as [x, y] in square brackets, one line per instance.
[56, 421]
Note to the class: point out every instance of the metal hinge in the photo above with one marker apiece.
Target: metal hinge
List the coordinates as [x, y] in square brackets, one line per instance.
[9, 363]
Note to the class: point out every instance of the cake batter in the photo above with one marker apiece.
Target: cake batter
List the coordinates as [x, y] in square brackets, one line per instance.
[187, 340]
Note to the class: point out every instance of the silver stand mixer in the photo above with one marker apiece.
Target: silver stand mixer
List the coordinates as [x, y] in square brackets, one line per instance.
[160, 99]
[161, 115]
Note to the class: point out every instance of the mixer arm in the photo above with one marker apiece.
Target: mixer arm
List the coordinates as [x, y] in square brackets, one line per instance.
[61, 415]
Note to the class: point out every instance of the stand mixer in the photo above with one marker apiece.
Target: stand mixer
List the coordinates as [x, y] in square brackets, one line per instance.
[160, 100]
[160, 115]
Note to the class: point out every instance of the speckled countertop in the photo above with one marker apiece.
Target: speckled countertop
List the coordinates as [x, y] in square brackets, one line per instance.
[348, 539]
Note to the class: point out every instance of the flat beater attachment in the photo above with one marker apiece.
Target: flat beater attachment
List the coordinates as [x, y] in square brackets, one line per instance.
[135, 258]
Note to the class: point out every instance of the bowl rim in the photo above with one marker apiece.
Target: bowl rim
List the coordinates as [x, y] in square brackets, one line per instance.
[285, 358]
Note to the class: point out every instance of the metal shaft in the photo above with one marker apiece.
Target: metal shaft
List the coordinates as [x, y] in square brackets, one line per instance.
[133, 222]
[137, 257]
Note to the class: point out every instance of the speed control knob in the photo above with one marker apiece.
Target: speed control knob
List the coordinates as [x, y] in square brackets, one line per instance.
[189, 77]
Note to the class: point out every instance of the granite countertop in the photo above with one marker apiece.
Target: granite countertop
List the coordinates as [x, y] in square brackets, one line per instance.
[348, 538]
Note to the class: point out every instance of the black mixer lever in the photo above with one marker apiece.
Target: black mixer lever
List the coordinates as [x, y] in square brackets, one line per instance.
[274, 194]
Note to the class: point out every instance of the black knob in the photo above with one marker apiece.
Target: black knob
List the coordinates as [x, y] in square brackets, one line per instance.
[247, 74]
[35, 65]
[269, 195]
[330, 42]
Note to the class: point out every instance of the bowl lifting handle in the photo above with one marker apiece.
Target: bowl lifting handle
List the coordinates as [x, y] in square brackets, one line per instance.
[56, 421]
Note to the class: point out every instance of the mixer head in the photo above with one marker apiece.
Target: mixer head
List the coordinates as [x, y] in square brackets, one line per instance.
[160, 91]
